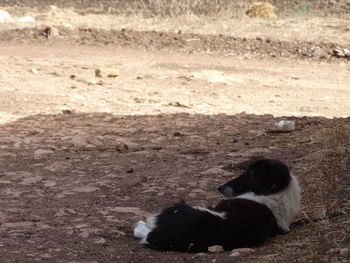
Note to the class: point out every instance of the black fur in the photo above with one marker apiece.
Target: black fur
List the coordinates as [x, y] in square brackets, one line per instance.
[262, 177]
[184, 228]
[242, 222]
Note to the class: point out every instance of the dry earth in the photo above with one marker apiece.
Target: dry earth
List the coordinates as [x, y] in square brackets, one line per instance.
[84, 157]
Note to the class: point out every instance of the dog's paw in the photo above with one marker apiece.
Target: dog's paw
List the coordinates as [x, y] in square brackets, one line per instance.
[141, 231]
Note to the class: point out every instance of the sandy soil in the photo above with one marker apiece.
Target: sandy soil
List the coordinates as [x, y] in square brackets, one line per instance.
[83, 157]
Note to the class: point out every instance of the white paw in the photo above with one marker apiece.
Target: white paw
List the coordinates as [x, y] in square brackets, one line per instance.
[141, 231]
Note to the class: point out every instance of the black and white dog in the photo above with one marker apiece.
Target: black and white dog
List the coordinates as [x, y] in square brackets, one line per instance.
[262, 203]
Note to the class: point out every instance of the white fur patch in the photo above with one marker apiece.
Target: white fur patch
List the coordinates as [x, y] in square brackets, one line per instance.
[143, 228]
[218, 214]
[141, 232]
[284, 205]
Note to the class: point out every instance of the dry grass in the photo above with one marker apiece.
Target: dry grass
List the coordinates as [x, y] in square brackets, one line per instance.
[326, 198]
[262, 9]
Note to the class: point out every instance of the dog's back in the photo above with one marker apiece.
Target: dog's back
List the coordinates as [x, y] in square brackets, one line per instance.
[232, 223]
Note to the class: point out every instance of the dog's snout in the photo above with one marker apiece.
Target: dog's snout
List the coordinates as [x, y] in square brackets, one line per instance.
[225, 190]
[221, 188]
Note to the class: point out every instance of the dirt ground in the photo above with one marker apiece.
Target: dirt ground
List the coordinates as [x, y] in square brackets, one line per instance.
[170, 116]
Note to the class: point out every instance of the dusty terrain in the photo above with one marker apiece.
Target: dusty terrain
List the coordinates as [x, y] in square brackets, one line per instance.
[172, 116]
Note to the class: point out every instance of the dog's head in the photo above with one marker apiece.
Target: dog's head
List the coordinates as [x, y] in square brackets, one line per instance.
[262, 177]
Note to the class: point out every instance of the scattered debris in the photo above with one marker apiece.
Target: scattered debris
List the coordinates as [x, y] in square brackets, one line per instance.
[122, 147]
[109, 73]
[178, 104]
[341, 52]
[285, 125]
[262, 10]
[50, 32]
[216, 249]
[68, 111]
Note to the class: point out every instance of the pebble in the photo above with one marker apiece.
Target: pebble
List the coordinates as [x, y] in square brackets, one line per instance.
[42, 153]
[216, 249]
[285, 125]
[240, 251]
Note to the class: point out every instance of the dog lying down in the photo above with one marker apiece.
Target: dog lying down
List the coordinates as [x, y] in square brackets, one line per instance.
[262, 202]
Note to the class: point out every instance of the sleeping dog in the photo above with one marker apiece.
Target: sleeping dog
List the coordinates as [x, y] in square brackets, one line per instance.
[262, 202]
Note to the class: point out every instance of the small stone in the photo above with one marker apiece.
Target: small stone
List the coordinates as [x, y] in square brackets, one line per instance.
[344, 252]
[34, 71]
[216, 249]
[5, 17]
[240, 251]
[318, 52]
[42, 153]
[100, 241]
[46, 255]
[92, 82]
[86, 189]
[49, 183]
[285, 125]
[26, 19]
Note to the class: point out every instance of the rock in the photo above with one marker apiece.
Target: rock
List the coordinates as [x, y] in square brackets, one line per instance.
[285, 125]
[26, 19]
[100, 241]
[216, 249]
[341, 52]
[34, 71]
[106, 72]
[49, 183]
[318, 52]
[83, 139]
[46, 256]
[86, 189]
[42, 153]
[262, 10]
[344, 252]
[5, 17]
[64, 212]
[240, 251]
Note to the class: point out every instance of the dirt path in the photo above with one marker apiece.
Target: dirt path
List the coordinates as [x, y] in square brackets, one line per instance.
[83, 158]
[48, 79]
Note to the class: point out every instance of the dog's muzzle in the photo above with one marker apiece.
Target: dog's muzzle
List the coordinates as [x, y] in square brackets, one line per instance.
[225, 191]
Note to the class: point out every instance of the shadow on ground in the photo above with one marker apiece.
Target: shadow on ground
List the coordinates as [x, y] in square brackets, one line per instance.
[73, 185]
